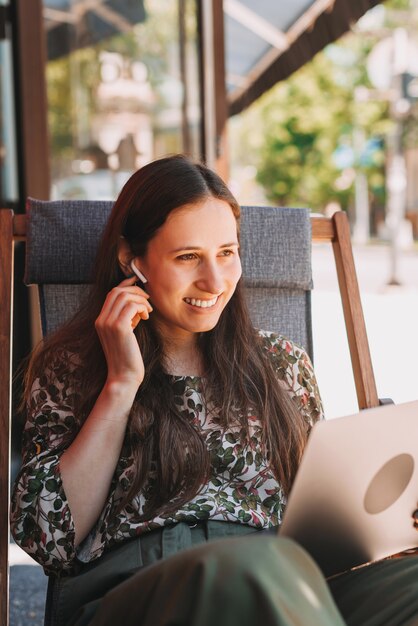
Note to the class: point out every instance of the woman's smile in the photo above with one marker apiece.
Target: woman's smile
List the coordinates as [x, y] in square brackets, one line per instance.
[201, 303]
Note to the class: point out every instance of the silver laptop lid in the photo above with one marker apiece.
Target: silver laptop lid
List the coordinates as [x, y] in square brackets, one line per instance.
[356, 490]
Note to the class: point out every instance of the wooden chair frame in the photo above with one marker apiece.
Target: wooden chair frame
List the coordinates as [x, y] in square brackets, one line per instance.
[333, 230]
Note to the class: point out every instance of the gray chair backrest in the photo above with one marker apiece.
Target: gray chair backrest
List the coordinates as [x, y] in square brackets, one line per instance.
[63, 236]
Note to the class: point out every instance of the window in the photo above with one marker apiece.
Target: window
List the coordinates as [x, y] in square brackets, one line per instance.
[122, 88]
[8, 162]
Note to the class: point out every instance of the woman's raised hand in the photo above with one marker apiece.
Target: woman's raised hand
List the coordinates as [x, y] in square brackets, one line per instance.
[99, 442]
[123, 309]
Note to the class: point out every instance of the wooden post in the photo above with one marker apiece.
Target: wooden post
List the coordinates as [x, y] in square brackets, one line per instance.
[221, 106]
[184, 77]
[6, 286]
[32, 99]
[215, 109]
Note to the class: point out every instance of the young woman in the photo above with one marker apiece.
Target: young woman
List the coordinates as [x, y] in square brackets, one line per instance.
[159, 420]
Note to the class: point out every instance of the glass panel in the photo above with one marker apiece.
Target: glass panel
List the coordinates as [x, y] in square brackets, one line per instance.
[8, 161]
[121, 90]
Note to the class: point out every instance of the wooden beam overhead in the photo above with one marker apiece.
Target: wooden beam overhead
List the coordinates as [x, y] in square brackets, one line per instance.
[323, 22]
[256, 24]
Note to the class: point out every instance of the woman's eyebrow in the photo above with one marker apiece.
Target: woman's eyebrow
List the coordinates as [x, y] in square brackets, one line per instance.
[224, 245]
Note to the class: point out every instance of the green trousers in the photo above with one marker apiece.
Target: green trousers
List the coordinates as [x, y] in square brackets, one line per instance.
[212, 575]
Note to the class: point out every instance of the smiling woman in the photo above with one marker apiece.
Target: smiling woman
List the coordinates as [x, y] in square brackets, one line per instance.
[158, 418]
[190, 285]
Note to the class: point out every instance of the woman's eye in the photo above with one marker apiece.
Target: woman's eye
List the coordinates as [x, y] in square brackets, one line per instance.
[187, 257]
[192, 256]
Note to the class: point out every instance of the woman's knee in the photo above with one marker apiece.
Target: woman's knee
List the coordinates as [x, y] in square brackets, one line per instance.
[245, 576]
[247, 552]
[272, 573]
[268, 561]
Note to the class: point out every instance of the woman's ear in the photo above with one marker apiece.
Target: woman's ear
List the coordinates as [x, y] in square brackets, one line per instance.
[125, 256]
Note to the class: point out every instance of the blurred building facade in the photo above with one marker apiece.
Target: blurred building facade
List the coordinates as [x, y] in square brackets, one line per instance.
[90, 90]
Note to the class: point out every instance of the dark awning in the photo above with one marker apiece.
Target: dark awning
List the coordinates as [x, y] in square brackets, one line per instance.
[70, 25]
[268, 40]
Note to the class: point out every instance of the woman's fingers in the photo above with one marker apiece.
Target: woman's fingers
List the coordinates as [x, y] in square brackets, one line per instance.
[113, 307]
[131, 315]
[122, 302]
[130, 282]
[126, 286]
[124, 307]
[135, 320]
[117, 293]
[123, 298]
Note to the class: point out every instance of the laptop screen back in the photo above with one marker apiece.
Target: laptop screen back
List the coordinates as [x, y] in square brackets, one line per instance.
[357, 488]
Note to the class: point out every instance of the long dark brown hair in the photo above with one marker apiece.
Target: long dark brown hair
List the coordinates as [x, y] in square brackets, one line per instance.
[239, 375]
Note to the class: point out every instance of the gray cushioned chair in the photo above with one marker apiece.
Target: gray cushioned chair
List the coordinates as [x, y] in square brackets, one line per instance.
[62, 238]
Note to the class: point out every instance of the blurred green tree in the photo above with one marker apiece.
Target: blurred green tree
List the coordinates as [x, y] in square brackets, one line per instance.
[309, 135]
[304, 151]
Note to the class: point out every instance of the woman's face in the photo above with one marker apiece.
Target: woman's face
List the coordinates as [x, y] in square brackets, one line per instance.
[192, 267]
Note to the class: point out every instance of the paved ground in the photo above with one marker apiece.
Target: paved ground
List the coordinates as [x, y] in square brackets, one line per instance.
[27, 595]
[391, 315]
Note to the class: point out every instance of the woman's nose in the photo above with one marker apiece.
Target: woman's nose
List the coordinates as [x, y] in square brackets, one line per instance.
[210, 279]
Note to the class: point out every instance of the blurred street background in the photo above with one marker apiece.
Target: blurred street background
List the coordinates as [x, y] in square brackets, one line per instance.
[391, 314]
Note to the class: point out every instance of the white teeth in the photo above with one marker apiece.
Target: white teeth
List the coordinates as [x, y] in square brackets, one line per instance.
[204, 304]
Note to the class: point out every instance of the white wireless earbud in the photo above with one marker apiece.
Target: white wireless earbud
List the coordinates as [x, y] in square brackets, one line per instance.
[137, 272]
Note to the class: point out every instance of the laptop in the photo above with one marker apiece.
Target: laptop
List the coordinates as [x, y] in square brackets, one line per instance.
[356, 490]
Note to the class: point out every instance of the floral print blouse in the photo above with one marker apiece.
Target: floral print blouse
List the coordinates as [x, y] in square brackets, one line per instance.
[241, 487]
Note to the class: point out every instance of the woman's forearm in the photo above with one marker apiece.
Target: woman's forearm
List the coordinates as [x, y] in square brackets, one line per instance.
[88, 465]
